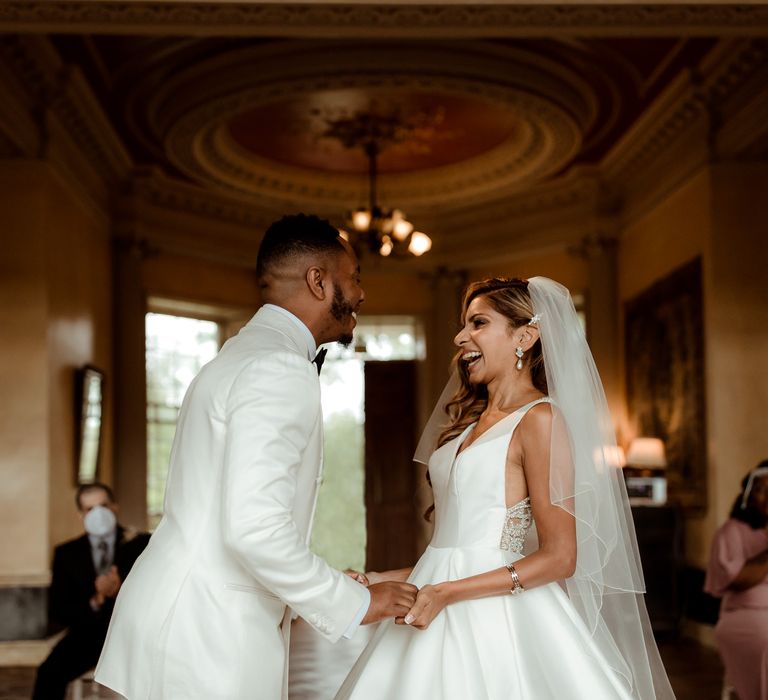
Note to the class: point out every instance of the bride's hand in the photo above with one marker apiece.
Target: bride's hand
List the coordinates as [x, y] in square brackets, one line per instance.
[430, 601]
[360, 578]
[375, 577]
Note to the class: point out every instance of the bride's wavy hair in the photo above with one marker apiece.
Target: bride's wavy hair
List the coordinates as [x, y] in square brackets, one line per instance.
[510, 297]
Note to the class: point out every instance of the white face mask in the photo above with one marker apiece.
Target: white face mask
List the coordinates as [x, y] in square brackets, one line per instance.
[99, 521]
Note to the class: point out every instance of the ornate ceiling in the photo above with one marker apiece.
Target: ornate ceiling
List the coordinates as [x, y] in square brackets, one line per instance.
[247, 117]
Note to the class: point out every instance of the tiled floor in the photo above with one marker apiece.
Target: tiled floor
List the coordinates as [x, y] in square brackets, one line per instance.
[318, 668]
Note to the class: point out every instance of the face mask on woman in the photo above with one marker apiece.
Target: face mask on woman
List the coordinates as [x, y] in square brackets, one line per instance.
[99, 521]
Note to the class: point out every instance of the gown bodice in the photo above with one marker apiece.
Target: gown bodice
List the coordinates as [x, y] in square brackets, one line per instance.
[469, 490]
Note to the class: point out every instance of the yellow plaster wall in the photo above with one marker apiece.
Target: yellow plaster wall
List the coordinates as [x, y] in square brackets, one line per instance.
[559, 265]
[673, 233]
[190, 279]
[24, 414]
[718, 214]
[79, 325]
[737, 335]
[55, 308]
[676, 231]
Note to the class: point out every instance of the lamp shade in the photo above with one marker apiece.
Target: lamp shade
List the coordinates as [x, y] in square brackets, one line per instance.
[614, 456]
[647, 452]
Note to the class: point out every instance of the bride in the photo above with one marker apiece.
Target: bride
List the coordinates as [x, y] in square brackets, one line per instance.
[531, 586]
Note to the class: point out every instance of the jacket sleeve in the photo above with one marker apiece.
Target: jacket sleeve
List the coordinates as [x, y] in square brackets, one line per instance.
[273, 407]
[68, 597]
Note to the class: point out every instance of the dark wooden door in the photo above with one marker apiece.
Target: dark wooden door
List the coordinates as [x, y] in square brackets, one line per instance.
[390, 474]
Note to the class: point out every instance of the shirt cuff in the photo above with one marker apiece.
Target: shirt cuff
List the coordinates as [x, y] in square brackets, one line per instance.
[350, 631]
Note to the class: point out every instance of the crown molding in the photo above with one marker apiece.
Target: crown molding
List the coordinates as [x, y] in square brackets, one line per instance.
[53, 115]
[740, 100]
[555, 215]
[404, 19]
[159, 214]
[550, 104]
[152, 188]
[679, 133]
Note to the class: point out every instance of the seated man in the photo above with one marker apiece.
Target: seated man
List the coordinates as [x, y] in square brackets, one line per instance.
[87, 574]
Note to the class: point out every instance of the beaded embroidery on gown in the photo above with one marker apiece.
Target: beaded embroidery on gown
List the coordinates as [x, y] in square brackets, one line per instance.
[532, 646]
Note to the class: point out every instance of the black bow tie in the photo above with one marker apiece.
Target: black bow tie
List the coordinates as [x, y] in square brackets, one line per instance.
[320, 358]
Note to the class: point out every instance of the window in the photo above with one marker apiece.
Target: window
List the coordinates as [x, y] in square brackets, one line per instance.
[339, 534]
[176, 349]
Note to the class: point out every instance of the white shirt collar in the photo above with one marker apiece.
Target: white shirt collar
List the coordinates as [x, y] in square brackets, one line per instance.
[311, 344]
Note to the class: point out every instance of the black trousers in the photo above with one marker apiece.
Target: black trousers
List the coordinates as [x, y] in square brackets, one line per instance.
[77, 652]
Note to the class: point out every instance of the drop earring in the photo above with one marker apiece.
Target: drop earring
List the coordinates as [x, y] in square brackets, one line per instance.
[519, 353]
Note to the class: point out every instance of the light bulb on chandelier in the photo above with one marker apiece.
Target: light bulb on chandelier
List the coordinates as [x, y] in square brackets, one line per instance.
[388, 233]
[420, 243]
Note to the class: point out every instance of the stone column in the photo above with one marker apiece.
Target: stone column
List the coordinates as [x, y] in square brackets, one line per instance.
[602, 303]
[130, 451]
[447, 289]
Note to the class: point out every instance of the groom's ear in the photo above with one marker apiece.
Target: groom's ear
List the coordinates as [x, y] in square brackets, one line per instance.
[317, 282]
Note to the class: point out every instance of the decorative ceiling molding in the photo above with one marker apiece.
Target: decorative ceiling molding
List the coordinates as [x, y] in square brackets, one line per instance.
[739, 99]
[558, 212]
[381, 20]
[59, 93]
[673, 139]
[189, 114]
[544, 142]
[150, 187]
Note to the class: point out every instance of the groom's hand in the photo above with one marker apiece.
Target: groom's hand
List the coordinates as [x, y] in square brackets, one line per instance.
[389, 599]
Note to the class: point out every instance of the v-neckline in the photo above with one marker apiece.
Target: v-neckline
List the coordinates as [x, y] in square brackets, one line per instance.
[463, 437]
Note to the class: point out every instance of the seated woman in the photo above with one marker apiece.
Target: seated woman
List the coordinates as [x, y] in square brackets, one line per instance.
[738, 572]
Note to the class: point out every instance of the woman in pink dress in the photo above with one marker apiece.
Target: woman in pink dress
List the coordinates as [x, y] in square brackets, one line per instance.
[738, 572]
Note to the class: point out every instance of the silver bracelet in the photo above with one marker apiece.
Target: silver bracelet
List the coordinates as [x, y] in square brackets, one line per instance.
[517, 587]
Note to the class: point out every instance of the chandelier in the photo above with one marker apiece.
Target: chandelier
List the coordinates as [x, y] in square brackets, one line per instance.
[384, 231]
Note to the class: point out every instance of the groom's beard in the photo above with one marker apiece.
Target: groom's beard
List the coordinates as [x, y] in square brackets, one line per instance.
[342, 310]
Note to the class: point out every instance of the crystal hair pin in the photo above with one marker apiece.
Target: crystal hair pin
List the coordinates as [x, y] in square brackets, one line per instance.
[535, 319]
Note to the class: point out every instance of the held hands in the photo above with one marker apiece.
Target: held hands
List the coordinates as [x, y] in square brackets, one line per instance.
[359, 577]
[108, 585]
[371, 577]
[389, 599]
[429, 603]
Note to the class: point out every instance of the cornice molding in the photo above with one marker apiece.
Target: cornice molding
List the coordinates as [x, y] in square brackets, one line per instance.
[188, 115]
[675, 137]
[152, 188]
[384, 20]
[64, 123]
[554, 215]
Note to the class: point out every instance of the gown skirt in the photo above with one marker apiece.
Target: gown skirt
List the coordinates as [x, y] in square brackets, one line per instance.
[532, 646]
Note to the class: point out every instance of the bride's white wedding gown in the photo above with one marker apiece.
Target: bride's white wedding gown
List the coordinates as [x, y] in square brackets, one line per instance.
[532, 646]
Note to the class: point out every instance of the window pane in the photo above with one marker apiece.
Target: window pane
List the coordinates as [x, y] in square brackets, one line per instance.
[176, 350]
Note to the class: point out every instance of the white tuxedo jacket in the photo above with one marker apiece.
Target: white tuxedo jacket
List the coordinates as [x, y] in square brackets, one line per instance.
[203, 613]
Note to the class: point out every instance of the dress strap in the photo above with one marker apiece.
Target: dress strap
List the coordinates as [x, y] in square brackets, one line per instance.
[531, 404]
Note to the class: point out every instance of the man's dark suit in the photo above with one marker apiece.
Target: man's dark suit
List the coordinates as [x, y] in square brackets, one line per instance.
[72, 587]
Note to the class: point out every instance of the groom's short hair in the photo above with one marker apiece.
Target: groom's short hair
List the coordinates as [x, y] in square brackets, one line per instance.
[294, 235]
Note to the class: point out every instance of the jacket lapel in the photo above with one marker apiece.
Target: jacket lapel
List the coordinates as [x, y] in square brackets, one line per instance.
[85, 558]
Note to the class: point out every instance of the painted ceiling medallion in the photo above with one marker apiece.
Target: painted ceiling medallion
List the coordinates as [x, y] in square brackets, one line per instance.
[487, 124]
[442, 129]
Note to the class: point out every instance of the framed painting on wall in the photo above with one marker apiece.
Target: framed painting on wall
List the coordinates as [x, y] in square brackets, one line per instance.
[664, 359]
[89, 388]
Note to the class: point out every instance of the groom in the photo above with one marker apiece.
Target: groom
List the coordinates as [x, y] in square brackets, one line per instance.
[206, 610]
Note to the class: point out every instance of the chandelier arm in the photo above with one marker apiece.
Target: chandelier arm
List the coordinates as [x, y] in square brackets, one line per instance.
[372, 151]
